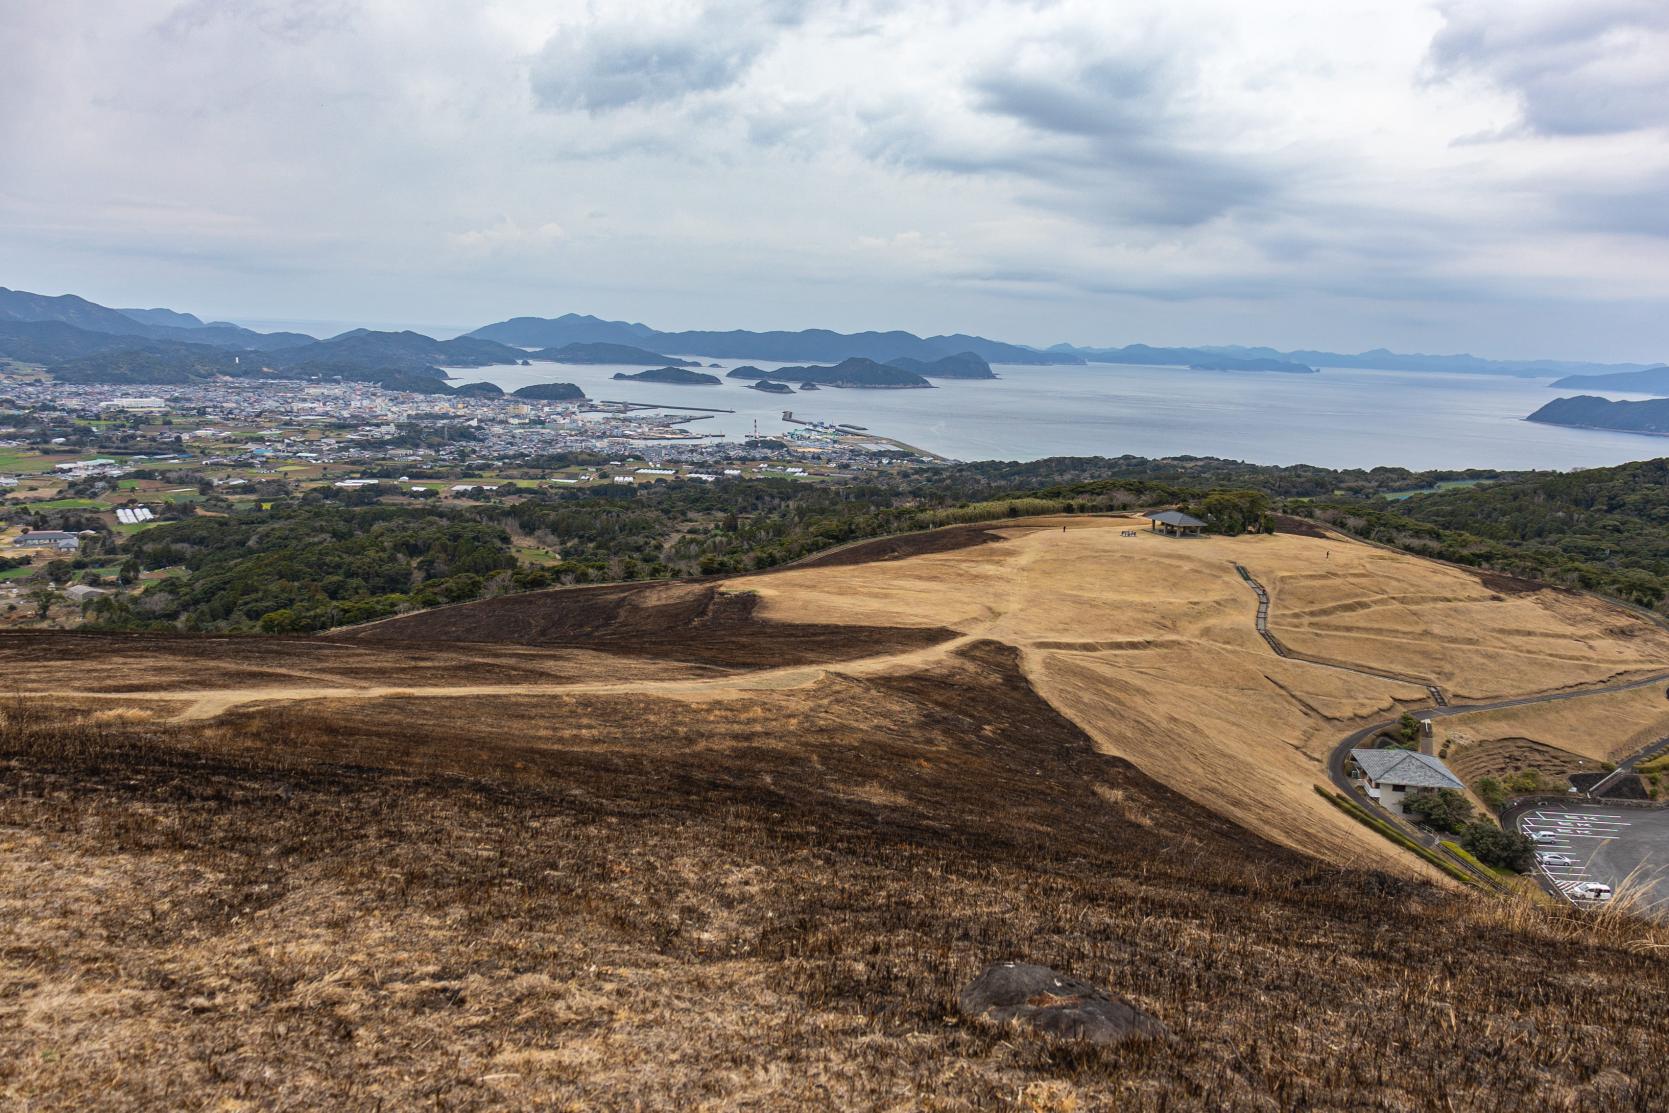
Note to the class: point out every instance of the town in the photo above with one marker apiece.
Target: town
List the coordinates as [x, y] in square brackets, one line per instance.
[83, 467]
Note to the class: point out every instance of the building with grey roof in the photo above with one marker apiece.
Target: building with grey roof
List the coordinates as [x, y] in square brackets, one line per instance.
[1175, 523]
[1388, 776]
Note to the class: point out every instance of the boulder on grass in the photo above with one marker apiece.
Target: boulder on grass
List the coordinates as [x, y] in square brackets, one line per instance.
[1057, 1005]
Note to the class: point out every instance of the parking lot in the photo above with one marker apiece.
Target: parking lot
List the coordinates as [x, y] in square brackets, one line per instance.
[1605, 845]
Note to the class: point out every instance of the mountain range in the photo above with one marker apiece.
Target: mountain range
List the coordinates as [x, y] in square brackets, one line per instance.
[80, 340]
[151, 324]
[1653, 380]
[808, 344]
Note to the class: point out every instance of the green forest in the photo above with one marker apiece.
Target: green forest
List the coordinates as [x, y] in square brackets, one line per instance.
[330, 557]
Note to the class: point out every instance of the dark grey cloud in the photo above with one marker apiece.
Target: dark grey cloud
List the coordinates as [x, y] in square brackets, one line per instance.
[1107, 139]
[1594, 68]
[1639, 207]
[626, 62]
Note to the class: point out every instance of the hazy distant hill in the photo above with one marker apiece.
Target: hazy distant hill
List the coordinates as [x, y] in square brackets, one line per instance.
[598, 352]
[50, 341]
[152, 324]
[1378, 358]
[809, 344]
[1589, 412]
[1381, 359]
[1236, 363]
[995, 351]
[963, 365]
[410, 350]
[570, 328]
[164, 318]
[1653, 380]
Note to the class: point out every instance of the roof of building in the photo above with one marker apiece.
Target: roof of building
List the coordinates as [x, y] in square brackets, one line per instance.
[1175, 518]
[1405, 767]
[47, 535]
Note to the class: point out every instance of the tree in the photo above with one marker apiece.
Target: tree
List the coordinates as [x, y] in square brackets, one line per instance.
[1495, 847]
[1491, 792]
[44, 598]
[1443, 810]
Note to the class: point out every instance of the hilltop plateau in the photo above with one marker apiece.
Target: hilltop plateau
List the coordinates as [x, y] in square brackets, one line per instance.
[733, 823]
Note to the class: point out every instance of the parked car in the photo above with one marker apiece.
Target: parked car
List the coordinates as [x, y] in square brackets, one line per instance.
[1590, 890]
[1554, 858]
[1542, 836]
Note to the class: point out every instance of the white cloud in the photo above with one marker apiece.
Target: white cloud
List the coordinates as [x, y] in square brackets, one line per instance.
[508, 236]
[1164, 170]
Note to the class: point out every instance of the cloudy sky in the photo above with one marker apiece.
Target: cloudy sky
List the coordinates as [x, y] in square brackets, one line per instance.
[1457, 175]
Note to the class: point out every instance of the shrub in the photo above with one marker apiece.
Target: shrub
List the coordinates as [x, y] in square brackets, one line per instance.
[1491, 792]
[1495, 847]
[1444, 810]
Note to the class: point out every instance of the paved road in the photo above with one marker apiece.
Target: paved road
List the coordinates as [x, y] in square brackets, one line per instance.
[1340, 757]
[1643, 845]
[1661, 746]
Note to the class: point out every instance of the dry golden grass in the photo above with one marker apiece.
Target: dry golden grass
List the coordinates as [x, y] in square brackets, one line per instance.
[1604, 727]
[1148, 644]
[595, 901]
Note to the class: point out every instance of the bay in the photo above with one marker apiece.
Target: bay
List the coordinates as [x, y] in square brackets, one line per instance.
[1340, 418]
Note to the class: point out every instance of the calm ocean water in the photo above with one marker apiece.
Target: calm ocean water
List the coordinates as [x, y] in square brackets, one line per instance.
[1340, 418]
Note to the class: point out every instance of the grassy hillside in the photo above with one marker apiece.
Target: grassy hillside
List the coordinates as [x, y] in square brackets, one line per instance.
[1606, 529]
[626, 893]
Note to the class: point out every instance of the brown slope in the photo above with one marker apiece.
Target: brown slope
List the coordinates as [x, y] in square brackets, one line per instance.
[602, 902]
[684, 621]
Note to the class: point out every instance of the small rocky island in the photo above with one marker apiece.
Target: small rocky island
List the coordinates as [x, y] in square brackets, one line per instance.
[676, 376]
[1586, 411]
[551, 392]
[770, 387]
[857, 372]
[963, 365]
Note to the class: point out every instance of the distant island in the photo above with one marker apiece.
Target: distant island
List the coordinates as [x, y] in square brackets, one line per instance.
[608, 353]
[1653, 380]
[1585, 411]
[1230, 363]
[864, 374]
[676, 376]
[805, 344]
[962, 365]
[770, 387]
[551, 392]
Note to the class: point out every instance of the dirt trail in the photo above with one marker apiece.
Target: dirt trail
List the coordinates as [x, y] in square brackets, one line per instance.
[207, 703]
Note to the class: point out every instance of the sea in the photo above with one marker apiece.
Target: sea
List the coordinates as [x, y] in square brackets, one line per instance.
[1339, 418]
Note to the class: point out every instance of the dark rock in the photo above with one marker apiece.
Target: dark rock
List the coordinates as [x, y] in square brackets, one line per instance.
[1054, 1004]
